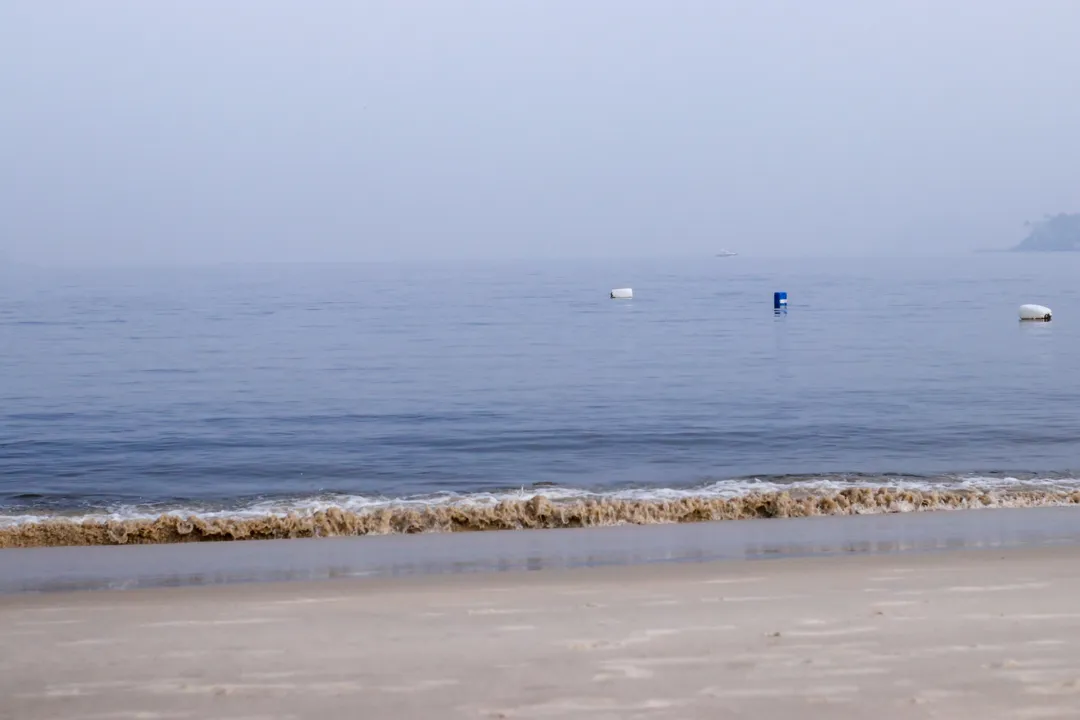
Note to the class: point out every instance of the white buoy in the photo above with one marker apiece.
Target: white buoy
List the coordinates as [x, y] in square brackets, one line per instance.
[1035, 312]
[622, 294]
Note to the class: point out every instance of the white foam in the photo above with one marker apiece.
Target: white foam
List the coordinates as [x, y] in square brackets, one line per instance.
[723, 489]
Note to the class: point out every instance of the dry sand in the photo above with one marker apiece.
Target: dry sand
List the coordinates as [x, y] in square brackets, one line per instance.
[964, 634]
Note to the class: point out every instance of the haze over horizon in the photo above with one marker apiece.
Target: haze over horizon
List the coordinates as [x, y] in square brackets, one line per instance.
[274, 131]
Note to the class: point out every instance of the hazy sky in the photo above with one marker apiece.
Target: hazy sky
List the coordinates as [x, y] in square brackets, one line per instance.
[274, 130]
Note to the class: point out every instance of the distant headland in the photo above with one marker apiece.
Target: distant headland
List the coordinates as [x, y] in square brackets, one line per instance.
[1054, 233]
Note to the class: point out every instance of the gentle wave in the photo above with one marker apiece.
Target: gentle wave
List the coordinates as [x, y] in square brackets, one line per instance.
[548, 509]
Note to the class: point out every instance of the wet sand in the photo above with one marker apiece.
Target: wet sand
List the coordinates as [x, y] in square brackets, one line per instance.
[956, 634]
[173, 565]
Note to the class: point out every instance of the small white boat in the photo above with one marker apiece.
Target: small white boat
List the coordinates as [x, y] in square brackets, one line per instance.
[726, 253]
[1035, 312]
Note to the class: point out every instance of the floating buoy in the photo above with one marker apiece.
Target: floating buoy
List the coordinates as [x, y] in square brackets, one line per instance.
[779, 300]
[1035, 312]
[622, 293]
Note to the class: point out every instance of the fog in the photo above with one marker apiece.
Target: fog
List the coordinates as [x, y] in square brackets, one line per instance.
[282, 131]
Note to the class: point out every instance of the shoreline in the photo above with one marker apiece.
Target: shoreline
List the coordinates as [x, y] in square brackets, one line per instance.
[535, 511]
[60, 569]
[969, 633]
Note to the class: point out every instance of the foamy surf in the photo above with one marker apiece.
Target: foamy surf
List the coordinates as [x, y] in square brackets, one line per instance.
[550, 508]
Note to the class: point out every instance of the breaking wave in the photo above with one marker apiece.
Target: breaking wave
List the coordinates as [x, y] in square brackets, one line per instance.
[547, 508]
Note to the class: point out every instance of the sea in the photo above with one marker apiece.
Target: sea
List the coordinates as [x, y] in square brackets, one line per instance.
[165, 405]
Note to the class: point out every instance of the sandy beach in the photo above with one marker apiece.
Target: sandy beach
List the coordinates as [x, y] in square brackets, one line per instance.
[956, 634]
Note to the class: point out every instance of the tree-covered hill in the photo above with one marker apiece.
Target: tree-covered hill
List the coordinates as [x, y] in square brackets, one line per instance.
[1053, 233]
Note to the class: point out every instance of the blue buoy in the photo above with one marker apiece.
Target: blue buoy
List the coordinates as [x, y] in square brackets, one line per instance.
[779, 301]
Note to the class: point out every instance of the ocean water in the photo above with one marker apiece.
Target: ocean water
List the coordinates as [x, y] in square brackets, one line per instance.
[251, 392]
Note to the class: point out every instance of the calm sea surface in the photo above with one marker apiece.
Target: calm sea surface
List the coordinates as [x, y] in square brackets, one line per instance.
[229, 387]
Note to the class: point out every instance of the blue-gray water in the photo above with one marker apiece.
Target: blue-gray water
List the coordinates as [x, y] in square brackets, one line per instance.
[224, 388]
